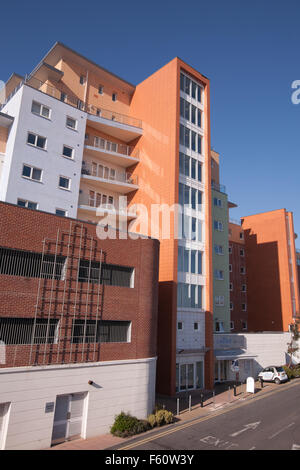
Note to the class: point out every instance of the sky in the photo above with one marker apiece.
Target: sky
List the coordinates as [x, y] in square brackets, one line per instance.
[248, 49]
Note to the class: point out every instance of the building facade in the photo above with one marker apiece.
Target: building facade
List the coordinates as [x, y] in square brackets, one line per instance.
[80, 142]
[78, 319]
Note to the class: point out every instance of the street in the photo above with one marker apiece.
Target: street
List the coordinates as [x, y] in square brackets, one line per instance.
[269, 423]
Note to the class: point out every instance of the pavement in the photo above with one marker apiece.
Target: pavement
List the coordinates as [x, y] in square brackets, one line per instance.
[223, 400]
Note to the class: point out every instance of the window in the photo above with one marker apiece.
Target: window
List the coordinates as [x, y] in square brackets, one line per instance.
[40, 110]
[230, 268]
[218, 202]
[219, 250]
[244, 325]
[231, 305]
[219, 300]
[242, 252]
[32, 173]
[189, 296]
[196, 326]
[82, 80]
[21, 330]
[218, 226]
[219, 275]
[104, 331]
[114, 96]
[61, 212]
[100, 90]
[243, 270]
[180, 325]
[111, 275]
[242, 235]
[219, 327]
[244, 307]
[28, 264]
[28, 204]
[68, 151]
[230, 249]
[64, 183]
[63, 96]
[231, 286]
[71, 123]
[232, 325]
[36, 140]
[244, 287]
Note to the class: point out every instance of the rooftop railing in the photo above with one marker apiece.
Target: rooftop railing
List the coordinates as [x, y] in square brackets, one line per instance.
[72, 100]
[218, 187]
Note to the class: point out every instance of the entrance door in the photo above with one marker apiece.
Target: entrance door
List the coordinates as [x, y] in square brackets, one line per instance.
[68, 416]
[4, 407]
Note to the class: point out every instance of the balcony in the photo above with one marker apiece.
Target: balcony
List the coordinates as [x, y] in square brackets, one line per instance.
[108, 178]
[122, 127]
[218, 187]
[91, 205]
[118, 154]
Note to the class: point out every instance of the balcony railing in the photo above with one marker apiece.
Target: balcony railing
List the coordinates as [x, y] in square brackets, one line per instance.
[72, 100]
[110, 175]
[114, 147]
[94, 202]
[218, 187]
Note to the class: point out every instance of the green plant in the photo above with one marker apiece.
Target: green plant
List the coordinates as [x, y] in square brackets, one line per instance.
[126, 425]
[152, 420]
[160, 418]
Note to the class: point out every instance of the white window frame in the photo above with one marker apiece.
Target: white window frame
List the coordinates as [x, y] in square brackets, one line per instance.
[231, 306]
[62, 187]
[232, 325]
[42, 106]
[27, 202]
[63, 210]
[243, 270]
[100, 89]
[230, 249]
[36, 139]
[246, 325]
[230, 268]
[73, 119]
[231, 286]
[114, 97]
[244, 307]
[31, 171]
[244, 290]
[242, 252]
[66, 156]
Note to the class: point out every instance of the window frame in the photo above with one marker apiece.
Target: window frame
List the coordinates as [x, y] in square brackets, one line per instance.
[72, 153]
[32, 168]
[66, 178]
[70, 127]
[41, 108]
[37, 136]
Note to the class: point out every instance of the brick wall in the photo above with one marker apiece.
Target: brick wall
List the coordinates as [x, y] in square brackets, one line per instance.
[25, 229]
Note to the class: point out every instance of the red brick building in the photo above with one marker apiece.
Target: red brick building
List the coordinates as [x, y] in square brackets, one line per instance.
[70, 305]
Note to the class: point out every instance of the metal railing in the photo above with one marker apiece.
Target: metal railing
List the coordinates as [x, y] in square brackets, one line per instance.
[218, 187]
[113, 147]
[72, 100]
[108, 174]
[96, 202]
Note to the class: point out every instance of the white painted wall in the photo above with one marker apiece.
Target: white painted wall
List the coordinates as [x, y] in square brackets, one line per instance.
[188, 338]
[46, 194]
[119, 386]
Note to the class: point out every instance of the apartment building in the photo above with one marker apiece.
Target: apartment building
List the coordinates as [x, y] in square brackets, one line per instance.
[220, 250]
[78, 319]
[79, 141]
[238, 276]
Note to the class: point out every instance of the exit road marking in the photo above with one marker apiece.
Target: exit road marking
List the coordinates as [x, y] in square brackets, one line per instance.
[246, 427]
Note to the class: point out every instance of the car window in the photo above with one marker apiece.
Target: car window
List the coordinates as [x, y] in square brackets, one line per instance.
[279, 369]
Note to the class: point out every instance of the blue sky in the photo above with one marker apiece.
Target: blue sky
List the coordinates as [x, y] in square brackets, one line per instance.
[249, 50]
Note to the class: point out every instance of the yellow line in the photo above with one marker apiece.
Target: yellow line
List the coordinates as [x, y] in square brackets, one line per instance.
[200, 420]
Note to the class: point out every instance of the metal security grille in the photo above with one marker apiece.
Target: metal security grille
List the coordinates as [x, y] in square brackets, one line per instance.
[104, 332]
[26, 330]
[28, 264]
[110, 274]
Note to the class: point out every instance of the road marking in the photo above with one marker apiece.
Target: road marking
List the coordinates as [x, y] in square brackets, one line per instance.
[246, 427]
[220, 443]
[281, 430]
[295, 447]
[205, 418]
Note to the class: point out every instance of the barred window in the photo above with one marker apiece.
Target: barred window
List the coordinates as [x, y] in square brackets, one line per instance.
[27, 331]
[28, 264]
[111, 274]
[103, 331]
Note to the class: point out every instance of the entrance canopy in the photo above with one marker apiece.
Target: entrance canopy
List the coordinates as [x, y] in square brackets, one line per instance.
[233, 354]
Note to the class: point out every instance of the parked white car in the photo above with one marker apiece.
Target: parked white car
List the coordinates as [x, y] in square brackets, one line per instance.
[273, 374]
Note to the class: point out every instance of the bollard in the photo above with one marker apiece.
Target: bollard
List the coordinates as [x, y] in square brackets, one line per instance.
[229, 393]
[234, 390]
[201, 400]
[214, 401]
[178, 407]
[261, 382]
[190, 403]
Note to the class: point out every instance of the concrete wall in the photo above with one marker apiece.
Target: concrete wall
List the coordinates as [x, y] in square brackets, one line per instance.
[119, 386]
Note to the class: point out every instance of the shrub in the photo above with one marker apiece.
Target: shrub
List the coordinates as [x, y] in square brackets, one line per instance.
[160, 418]
[126, 425]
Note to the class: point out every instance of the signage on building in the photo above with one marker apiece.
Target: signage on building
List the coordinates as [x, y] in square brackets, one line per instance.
[250, 385]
